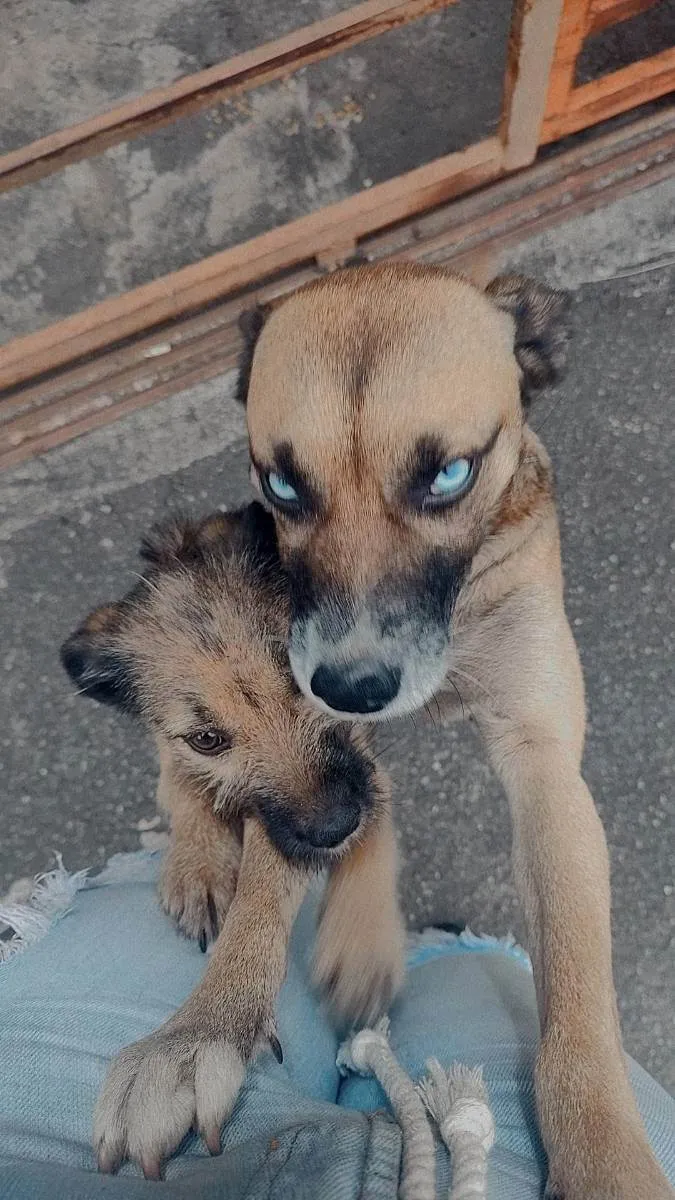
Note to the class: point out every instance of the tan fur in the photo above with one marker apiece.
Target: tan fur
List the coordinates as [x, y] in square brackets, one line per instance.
[348, 373]
[200, 868]
[190, 1070]
[360, 946]
[199, 642]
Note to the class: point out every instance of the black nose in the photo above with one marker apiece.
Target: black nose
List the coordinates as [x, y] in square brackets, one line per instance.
[333, 828]
[356, 687]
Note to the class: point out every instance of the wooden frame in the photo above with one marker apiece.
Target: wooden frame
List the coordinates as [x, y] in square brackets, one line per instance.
[92, 367]
[329, 235]
[570, 108]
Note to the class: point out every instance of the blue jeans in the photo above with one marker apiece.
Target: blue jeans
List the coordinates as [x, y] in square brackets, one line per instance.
[113, 968]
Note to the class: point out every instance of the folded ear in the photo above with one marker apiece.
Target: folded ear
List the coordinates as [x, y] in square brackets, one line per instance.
[541, 327]
[180, 541]
[251, 323]
[97, 664]
[186, 542]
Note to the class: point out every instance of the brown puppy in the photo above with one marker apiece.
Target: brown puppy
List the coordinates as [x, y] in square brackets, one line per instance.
[415, 514]
[197, 649]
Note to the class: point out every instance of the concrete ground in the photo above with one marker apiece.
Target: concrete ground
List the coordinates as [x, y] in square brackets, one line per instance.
[78, 779]
[211, 180]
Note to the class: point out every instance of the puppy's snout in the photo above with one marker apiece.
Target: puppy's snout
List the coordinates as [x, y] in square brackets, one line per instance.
[332, 827]
[341, 796]
[360, 687]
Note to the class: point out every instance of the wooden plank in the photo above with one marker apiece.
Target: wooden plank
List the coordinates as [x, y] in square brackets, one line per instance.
[47, 439]
[453, 226]
[604, 13]
[192, 93]
[471, 262]
[612, 94]
[562, 192]
[579, 202]
[463, 233]
[141, 354]
[532, 41]
[641, 135]
[299, 241]
[571, 34]
[217, 349]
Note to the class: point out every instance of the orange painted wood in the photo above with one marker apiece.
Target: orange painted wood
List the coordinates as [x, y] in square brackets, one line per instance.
[571, 34]
[470, 234]
[161, 106]
[604, 13]
[612, 94]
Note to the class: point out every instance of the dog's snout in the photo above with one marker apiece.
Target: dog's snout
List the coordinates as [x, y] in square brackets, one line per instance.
[356, 687]
[333, 827]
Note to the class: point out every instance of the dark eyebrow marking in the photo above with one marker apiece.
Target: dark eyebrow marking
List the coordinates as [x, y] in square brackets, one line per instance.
[483, 450]
[430, 455]
[248, 692]
[201, 713]
[425, 461]
[286, 464]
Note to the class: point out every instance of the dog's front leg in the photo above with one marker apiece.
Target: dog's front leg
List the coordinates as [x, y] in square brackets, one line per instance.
[360, 945]
[199, 872]
[596, 1144]
[189, 1071]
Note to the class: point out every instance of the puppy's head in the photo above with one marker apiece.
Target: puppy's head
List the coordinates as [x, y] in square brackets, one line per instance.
[198, 649]
[386, 421]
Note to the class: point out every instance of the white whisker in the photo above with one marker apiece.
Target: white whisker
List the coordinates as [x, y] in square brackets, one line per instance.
[476, 682]
[144, 579]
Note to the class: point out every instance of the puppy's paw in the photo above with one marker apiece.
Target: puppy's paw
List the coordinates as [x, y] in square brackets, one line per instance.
[185, 1075]
[196, 889]
[359, 961]
[157, 1089]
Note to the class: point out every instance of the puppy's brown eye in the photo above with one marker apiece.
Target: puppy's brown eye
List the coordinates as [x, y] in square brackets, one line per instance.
[209, 741]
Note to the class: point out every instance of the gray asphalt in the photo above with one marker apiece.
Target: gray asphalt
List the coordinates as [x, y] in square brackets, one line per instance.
[78, 779]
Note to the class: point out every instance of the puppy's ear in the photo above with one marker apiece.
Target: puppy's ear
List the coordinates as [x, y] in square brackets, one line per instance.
[251, 323]
[542, 335]
[95, 662]
[171, 543]
[249, 531]
[187, 543]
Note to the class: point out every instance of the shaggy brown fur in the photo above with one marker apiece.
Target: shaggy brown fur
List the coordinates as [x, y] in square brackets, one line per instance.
[197, 649]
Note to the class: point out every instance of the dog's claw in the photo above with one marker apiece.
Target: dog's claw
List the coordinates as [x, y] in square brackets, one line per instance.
[107, 1161]
[151, 1168]
[276, 1048]
[213, 916]
[212, 1139]
[203, 941]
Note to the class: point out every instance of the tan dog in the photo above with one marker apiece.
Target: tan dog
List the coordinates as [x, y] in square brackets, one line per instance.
[197, 649]
[415, 514]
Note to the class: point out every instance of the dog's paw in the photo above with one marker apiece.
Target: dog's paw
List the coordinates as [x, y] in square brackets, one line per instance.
[181, 1077]
[196, 891]
[359, 962]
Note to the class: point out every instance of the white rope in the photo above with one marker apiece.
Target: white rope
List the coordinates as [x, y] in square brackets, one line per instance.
[457, 1101]
[369, 1053]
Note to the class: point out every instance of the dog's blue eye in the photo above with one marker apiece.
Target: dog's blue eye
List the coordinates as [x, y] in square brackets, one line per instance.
[453, 478]
[281, 488]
